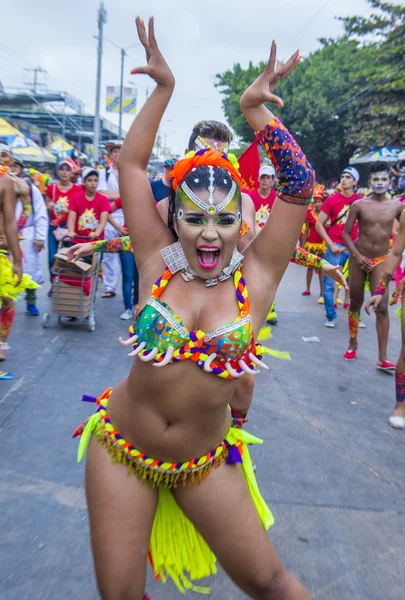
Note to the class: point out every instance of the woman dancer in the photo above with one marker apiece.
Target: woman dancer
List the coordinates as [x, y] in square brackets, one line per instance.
[180, 411]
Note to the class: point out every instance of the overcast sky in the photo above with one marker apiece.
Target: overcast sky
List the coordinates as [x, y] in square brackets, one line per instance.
[198, 40]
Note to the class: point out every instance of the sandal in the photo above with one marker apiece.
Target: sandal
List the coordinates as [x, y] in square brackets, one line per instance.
[108, 295]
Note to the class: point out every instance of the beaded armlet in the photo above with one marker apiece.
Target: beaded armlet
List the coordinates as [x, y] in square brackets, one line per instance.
[306, 259]
[383, 283]
[117, 245]
[295, 174]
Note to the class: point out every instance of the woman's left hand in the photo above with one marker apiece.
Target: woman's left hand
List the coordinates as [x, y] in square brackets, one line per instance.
[261, 90]
[336, 274]
[157, 68]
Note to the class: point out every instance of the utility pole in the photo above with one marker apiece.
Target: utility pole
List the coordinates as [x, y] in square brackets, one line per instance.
[121, 92]
[102, 19]
[35, 83]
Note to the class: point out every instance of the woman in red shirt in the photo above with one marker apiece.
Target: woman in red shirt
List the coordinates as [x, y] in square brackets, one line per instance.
[57, 202]
[313, 242]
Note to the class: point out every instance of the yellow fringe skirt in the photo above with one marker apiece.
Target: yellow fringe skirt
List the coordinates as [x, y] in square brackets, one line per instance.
[176, 550]
[8, 289]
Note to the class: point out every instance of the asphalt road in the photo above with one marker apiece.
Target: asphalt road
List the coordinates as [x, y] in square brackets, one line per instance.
[331, 468]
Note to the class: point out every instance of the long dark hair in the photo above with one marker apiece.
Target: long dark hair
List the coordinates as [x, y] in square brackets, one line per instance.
[198, 179]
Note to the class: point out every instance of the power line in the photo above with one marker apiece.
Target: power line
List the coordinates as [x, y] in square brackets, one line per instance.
[311, 20]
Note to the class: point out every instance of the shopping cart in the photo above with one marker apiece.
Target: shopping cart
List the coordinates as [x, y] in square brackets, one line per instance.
[74, 288]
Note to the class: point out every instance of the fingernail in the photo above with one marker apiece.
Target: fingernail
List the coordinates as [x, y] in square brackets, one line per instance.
[133, 72]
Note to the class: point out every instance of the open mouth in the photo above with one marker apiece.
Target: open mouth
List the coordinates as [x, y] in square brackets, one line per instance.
[208, 256]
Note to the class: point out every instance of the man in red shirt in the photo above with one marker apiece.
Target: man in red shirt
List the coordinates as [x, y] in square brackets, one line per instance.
[336, 209]
[88, 210]
[265, 196]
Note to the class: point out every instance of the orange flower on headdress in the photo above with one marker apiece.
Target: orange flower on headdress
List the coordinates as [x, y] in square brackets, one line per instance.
[211, 158]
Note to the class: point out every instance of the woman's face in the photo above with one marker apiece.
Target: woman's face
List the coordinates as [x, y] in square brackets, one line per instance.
[64, 173]
[208, 241]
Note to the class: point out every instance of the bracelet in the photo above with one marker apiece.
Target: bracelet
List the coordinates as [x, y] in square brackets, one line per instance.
[239, 417]
[383, 283]
[295, 174]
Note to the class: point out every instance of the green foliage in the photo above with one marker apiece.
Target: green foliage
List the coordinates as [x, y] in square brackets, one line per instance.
[347, 95]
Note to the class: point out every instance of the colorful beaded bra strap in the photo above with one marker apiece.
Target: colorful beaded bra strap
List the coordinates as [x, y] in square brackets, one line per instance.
[240, 286]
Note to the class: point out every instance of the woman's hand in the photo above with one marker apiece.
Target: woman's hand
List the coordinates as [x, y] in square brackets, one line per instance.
[373, 302]
[261, 90]
[79, 251]
[123, 231]
[335, 273]
[157, 68]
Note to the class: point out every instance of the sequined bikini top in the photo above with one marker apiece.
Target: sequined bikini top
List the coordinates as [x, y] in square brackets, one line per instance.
[159, 335]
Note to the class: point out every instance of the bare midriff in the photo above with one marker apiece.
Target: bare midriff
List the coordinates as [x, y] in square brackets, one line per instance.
[175, 413]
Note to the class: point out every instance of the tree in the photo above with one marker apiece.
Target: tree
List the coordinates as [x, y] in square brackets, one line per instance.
[379, 104]
[345, 96]
[314, 101]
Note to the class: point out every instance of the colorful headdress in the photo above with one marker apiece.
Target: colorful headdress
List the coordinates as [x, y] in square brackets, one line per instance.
[319, 191]
[207, 158]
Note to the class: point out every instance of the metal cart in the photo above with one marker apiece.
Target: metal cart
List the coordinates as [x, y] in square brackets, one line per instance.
[74, 293]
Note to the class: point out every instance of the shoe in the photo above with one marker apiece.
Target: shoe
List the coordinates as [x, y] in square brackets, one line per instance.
[346, 306]
[397, 422]
[350, 355]
[321, 300]
[362, 325]
[4, 376]
[335, 306]
[306, 293]
[330, 324]
[49, 294]
[126, 315]
[386, 366]
[339, 301]
[32, 310]
[272, 321]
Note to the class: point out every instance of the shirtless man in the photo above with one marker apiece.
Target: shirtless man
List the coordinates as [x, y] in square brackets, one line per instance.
[8, 243]
[375, 216]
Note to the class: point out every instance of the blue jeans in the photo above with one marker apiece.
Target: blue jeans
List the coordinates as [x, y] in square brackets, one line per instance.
[52, 247]
[329, 284]
[129, 277]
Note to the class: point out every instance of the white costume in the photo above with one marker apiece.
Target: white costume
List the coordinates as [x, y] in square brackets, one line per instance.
[36, 228]
[111, 262]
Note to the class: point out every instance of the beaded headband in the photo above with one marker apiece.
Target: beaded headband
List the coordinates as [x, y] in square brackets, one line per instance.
[202, 143]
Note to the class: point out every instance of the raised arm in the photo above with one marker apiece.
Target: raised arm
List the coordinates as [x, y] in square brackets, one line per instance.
[275, 244]
[148, 232]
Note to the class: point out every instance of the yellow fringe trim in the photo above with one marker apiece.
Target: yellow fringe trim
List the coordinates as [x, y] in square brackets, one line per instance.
[8, 289]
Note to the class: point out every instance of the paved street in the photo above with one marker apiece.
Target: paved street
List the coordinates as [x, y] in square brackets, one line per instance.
[331, 468]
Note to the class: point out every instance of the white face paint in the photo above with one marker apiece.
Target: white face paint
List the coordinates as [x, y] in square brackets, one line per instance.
[380, 182]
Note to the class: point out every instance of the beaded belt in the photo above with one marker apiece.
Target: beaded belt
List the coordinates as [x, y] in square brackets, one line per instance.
[146, 468]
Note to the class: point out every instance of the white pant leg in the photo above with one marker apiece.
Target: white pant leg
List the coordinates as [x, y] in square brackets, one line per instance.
[31, 260]
[111, 262]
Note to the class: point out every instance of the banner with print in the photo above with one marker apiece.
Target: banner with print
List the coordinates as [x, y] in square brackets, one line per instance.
[129, 98]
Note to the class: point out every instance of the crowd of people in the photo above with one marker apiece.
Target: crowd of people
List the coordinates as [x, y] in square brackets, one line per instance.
[197, 243]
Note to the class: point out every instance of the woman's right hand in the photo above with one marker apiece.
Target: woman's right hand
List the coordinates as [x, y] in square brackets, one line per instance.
[79, 251]
[157, 68]
[373, 302]
[261, 90]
